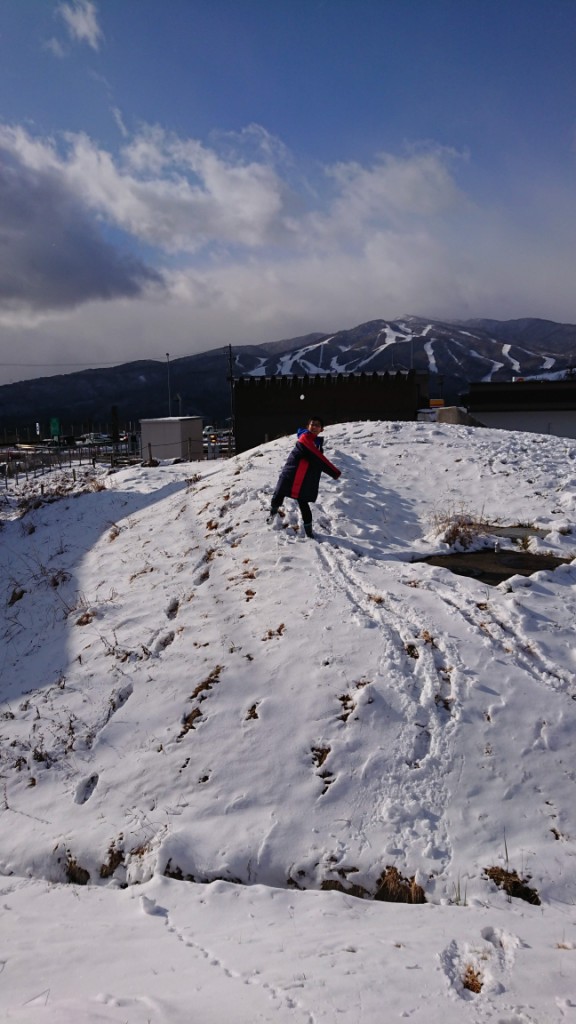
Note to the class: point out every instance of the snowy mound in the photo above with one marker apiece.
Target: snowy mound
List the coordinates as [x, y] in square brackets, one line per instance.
[188, 691]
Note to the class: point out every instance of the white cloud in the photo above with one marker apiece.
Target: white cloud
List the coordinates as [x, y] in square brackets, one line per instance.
[183, 196]
[175, 194]
[53, 254]
[251, 252]
[81, 20]
[54, 46]
[416, 184]
[195, 197]
[117, 115]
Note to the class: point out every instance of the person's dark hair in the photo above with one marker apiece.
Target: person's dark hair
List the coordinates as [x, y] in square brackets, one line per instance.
[318, 420]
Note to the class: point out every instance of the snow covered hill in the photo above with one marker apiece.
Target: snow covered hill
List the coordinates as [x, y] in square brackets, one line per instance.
[192, 696]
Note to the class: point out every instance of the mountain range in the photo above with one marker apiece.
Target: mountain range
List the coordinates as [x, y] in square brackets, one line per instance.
[453, 353]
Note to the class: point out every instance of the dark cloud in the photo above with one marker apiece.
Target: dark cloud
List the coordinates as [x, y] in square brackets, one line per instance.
[52, 255]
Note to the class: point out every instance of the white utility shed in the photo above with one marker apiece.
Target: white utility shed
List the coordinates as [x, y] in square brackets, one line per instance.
[173, 437]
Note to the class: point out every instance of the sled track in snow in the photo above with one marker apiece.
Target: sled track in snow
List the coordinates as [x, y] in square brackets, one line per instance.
[415, 675]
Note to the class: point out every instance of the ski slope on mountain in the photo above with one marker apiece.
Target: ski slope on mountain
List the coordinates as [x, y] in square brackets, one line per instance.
[241, 744]
[483, 350]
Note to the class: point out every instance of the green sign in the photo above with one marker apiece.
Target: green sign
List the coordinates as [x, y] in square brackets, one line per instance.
[54, 427]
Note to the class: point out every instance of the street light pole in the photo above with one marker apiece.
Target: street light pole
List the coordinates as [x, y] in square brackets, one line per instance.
[169, 395]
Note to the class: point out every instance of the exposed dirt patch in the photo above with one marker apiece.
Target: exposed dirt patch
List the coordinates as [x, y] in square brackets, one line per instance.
[115, 859]
[75, 874]
[330, 885]
[512, 884]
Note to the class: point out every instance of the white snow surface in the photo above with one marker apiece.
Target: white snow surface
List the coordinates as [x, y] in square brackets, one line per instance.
[286, 362]
[513, 362]
[429, 350]
[495, 368]
[230, 734]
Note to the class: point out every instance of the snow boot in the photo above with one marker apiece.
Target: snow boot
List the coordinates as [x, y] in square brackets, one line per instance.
[308, 530]
[274, 509]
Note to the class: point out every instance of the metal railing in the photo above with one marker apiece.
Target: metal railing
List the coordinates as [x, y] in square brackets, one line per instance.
[29, 461]
[26, 461]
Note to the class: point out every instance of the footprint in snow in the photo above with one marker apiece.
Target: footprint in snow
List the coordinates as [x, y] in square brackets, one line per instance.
[151, 908]
[85, 789]
[163, 642]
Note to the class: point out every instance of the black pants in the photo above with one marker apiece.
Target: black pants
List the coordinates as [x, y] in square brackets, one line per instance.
[305, 510]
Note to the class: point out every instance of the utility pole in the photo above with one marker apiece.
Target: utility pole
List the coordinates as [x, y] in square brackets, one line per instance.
[169, 395]
[231, 380]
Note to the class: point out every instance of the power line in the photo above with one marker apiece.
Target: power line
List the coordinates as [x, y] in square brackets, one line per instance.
[109, 362]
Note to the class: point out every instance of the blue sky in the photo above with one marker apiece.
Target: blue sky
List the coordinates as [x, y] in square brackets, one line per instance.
[183, 174]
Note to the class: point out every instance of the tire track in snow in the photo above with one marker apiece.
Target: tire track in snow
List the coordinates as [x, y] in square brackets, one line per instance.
[415, 683]
[503, 630]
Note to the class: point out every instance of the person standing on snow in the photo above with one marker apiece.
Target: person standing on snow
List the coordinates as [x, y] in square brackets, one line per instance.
[300, 476]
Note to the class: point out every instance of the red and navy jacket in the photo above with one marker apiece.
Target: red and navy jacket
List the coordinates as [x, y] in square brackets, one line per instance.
[300, 476]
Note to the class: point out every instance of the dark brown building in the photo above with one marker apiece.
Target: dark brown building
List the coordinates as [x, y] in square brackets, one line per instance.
[269, 407]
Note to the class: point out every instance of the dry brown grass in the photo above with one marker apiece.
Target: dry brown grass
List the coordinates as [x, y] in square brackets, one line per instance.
[459, 527]
[319, 755]
[199, 694]
[348, 706]
[332, 884]
[207, 683]
[513, 885]
[115, 859]
[472, 979]
[75, 873]
[188, 722]
[85, 618]
[274, 632]
[395, 888]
